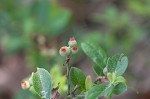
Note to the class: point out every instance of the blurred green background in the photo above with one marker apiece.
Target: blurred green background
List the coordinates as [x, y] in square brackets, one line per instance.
[32, 31]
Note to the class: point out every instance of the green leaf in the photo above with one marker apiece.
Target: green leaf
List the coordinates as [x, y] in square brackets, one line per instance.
[98, 70]
[96, 53]
[118, 63]
[94, 92]
[78, 97]
[25, 94]
[32, 90]
[57, 77]
[88, 82]
[77, 77]
[120, 79]
[108, 91]
[112, 62]
[111, 77]
[42, 83]
[122, 65]
[120, 88]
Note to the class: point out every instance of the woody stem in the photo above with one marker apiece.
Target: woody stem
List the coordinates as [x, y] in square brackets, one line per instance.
[68, 75]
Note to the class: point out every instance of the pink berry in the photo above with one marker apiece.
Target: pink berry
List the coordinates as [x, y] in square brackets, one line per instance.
[64, 51]
[72, 42]
[74, 49]
[25, 85]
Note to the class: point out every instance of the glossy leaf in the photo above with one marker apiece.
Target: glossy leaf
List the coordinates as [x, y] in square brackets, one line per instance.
[42, 83]
[32, 90]
[111, 77]
[108, 91]
[94, 92]
[96, 53]
[120, 79]
[112, 62]
[98, 70]
[77, 77]
[118, 63]
[122, 65]
[120, 88]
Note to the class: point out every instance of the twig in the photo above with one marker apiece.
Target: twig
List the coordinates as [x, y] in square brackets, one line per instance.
[68, 73]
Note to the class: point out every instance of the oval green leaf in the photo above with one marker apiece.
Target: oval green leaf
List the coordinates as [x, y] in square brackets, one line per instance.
[42, 83]
[77, 77]
[122, 65]
[95, 91]
[120, 88]
[88, 82]
[112, 62]
[98, 70]
[120, 79]
[96, 53]
[108, 91]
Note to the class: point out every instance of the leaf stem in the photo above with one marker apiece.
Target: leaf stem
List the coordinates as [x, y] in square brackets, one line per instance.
[75, 88]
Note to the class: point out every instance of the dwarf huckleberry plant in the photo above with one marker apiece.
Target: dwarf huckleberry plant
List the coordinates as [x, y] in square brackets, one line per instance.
[109, 72]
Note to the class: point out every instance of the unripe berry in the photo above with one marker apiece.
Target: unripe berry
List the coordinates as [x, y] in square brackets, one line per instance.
[25, 85]
[72, 42]
[64, 51]
[74, 49]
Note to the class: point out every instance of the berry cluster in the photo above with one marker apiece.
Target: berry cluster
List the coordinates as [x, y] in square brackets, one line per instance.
[72, 48]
